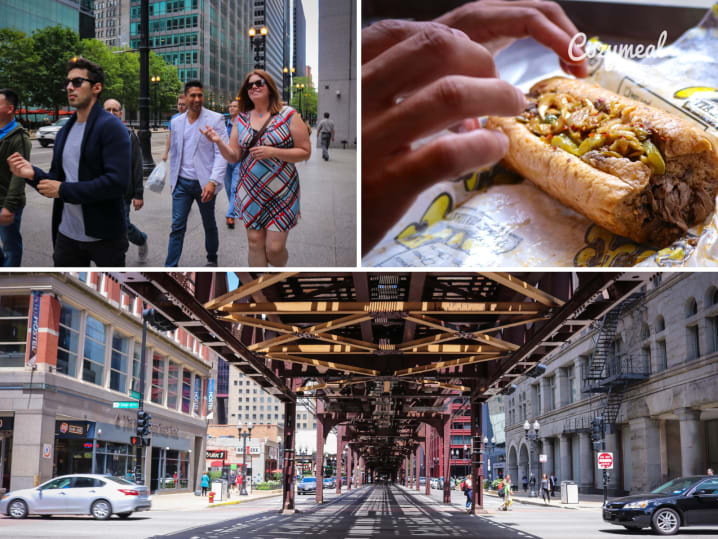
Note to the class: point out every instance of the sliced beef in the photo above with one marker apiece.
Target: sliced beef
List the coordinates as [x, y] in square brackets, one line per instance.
[635, 173]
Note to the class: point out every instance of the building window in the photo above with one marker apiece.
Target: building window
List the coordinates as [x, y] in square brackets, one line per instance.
[571, 377]
[158, 379]
[186, 390]
[552, 396]
[136, 363]
[119, 362]
[662, 359]
[13, 330]
[93, 366]
[68, 341]
[172, 385]
[693, 346]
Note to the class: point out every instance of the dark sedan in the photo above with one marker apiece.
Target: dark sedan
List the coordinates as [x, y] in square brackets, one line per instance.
[685, 501]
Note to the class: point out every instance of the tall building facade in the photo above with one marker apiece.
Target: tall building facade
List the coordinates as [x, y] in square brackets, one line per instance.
[205, 40]
[649, 370]
[112, 22]
[275, 15]
[72, 347]
[337, 86]
[299, 38]
[30, 15]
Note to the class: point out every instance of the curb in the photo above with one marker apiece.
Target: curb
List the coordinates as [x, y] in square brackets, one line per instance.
[270, 494]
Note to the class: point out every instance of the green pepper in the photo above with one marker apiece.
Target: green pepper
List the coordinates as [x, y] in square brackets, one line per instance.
[549, 119]
[654, 158]
[591, 143]
[562, 141]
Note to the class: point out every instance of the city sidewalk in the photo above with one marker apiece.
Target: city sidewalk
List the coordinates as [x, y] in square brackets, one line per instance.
[188, 501]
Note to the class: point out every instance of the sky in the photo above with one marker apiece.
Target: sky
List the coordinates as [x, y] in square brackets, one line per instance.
[311, 14]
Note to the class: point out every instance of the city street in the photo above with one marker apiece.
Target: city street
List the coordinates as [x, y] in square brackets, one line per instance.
[324, 237]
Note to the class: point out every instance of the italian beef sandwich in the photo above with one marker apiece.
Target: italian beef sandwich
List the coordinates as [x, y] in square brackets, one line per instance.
[629, 167]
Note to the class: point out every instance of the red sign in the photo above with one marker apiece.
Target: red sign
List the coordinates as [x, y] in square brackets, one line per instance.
[605, 461]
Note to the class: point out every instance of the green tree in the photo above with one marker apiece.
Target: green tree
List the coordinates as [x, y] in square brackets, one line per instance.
[169, 86]
[53, 47]
[306, 100]
[17, 63]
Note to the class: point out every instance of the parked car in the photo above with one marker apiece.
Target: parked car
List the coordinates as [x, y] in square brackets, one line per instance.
[422, 481]
[307, 485]
[329, 482]
[684, 501]
[46, 135]
[78, 494]
[434, 482]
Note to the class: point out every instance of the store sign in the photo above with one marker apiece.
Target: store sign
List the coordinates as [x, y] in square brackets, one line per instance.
[195, 406]
[210, 395]
[47, 451]
[543, 458]
[6, 423]
[215, 454]
[34, 328]
[253, 450]
[75, 429]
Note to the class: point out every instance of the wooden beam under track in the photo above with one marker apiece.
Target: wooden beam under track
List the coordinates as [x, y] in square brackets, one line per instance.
[260, 283]
[321, 363]
[522, 287]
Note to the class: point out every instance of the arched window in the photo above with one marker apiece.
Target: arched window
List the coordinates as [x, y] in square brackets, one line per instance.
[691, 308]
[692, 335]
[660, 324]
[711, 300]
[645, 332]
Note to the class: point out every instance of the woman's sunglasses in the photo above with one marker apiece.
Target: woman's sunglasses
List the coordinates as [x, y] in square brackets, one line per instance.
[256, 84]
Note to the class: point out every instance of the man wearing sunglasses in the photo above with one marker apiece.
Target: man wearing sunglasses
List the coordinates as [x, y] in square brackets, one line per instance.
[88, 177]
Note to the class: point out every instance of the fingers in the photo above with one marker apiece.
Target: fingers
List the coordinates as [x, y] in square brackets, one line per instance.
[388, 194]
[451, 156]
[443, 51]
[440, 105]
[385, 34]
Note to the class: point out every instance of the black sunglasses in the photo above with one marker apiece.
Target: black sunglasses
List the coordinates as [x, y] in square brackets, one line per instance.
[77, 82]
[257, 84]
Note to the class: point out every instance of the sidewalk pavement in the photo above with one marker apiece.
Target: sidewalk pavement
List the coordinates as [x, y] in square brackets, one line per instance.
[188, 501]
[585, 501]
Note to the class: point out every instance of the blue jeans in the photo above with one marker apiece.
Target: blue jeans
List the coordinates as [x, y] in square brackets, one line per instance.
[11, 251]
[188, 191]
[231, 179]
[326, 139]
[134, 234]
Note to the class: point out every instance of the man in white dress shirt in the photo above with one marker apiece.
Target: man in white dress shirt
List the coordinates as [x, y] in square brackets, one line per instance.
[196, 169]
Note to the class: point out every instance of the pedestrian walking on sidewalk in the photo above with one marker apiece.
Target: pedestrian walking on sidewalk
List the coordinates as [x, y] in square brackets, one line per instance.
[710, 471]
[231, 175]
[466, 488]
[13, 139]
[508, 500]
[267, 141]
[135, 190]
[545, 486]
[325, 134]
[205, 483]
[554, 484]
[525, 483]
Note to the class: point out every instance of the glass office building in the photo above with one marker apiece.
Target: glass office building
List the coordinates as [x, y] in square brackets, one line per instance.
[30, 15]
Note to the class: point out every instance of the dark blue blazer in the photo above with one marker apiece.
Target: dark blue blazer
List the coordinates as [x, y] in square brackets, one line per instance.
[104, 175]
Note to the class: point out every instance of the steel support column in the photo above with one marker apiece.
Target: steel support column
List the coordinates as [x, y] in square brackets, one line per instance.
[446, 456]
[477, 469]
[340, 449]
[427, 491]
[288, 471]
[349, 467]
[417, 463]
[319, 465]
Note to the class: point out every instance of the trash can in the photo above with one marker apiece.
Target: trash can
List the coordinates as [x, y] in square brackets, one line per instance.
[569, 492]
[219, 487]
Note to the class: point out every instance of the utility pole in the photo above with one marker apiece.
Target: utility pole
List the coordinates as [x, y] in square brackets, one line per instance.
[141, 414]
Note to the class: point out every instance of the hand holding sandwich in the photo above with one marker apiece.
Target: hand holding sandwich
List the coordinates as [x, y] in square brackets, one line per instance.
[419, 78]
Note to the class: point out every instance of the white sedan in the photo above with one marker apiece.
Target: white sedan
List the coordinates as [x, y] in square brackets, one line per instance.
[79, 494]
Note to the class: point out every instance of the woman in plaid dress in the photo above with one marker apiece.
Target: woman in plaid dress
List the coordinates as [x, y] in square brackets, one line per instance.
[267, 198]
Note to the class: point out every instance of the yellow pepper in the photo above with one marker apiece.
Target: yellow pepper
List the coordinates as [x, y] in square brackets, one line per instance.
[591, 143]
[565, 143]
[653, 158]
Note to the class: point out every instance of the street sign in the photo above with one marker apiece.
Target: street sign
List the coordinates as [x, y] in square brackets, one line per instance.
[543, 458]
[605, 461]
[125, 404]
[135, 395]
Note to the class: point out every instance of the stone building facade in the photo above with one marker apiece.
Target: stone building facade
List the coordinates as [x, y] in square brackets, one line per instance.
[662, 370]
[70, 347]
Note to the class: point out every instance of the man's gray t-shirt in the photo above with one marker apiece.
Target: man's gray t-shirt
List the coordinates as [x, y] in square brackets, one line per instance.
[72, 224]
[325, 126]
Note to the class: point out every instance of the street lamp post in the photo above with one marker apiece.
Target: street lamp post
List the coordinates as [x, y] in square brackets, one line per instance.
[258, 38]
[532, 434]
[144, 133]
[490, 447]
[300, 89]
[244, 433]
[155, 83]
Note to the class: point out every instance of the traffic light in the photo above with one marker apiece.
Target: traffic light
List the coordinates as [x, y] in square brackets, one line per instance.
[143, 423]
[597, 432]
[135, 440]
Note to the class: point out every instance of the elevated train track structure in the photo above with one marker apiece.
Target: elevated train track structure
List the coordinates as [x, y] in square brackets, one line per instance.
[381, 353]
